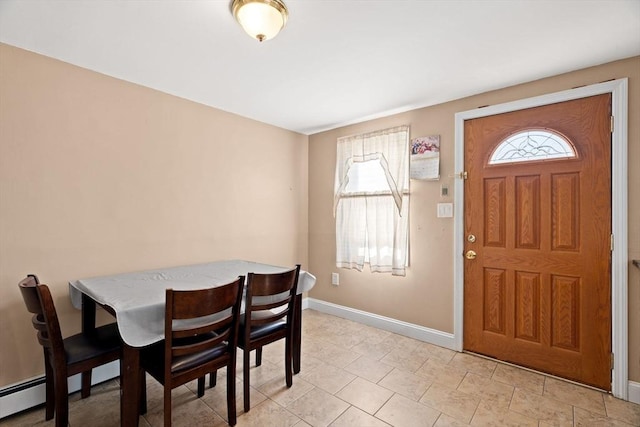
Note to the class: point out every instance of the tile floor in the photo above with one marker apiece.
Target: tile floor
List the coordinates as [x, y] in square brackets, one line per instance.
[354, 375]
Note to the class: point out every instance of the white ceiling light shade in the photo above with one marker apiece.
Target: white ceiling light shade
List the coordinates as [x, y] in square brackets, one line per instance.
[261, 19]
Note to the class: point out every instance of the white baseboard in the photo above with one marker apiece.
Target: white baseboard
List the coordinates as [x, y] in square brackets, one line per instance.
[18, 397]
[432, 336]
[634, 392]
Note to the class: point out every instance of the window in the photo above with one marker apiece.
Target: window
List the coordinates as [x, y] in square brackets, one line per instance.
[532, 145]
[371, 201]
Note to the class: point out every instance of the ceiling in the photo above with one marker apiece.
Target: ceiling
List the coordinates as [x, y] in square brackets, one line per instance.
[337, 61]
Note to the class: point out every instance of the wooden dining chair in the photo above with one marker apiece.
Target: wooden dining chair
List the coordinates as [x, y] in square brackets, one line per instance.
[201, 333]
[63, 358]
[268, 317]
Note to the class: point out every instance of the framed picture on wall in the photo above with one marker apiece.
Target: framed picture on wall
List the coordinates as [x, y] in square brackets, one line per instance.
[425, 158]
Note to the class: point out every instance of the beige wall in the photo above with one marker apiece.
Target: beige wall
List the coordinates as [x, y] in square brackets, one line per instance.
[425, 296]
[100, 176]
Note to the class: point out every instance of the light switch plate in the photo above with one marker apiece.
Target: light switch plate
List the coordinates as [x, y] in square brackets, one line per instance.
[445, 210]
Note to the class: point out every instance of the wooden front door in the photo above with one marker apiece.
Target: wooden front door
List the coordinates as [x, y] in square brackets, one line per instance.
[538, 292]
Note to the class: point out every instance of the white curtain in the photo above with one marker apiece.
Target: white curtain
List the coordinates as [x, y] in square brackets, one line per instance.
[372, 225]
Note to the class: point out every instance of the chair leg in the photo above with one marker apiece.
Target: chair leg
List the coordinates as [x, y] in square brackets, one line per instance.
[50, 396]
[213, 378]
[288, 362]
[86, 384]
[167, 405]
[258, 356]
[245, 379]
[231, 394]
[143, 392]
[61, 399]
[200, 386]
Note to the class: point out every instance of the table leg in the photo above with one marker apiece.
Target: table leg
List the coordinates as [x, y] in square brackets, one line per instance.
[88, 315]
[297, 333]
[129, 386]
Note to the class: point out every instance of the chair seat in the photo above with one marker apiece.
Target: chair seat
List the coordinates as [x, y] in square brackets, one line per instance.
[261, 330]
[153, 358]
[80, 347]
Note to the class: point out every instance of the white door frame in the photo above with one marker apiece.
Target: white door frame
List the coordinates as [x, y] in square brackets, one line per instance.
[619, 255]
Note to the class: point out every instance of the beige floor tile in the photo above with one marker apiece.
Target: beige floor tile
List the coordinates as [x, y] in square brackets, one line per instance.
[440, 372]
[405, 383]
[400, 411]
[472, 363]
[312, 345]
[267, 371]
[373, 335]
[354, 417]
[101, 409]
[318, 408]
[435, 352]
[400, 342]
[278, 391]
[216, 398]
[541, 408]
[335, 355]
[555, 424]
[186, 410]
[445, 420]
[519, 378]
[492, 415]
[273, 353]
[584, 418]
[374, 350]
[498, 394]
[454, 403]
[267, 414]
[302, 423]
[365, 395]
[309, 362]
[623, 411]
[328, 377]
[405, 360]
[583, 397]
[369, 369]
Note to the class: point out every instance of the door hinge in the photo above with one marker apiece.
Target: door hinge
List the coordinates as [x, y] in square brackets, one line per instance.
[612, 359]
[611, 124]
[463, 175]
[612, 242]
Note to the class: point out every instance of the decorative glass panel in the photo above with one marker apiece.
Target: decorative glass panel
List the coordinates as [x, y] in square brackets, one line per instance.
[532, 145]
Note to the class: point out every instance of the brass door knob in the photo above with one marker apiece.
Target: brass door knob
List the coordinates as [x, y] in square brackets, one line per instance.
[470, 255]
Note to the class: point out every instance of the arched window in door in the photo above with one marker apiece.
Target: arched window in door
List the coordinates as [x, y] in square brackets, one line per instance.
[532, 145]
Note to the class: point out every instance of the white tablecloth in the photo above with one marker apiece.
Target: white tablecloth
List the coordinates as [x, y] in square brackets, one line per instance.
[138, 298]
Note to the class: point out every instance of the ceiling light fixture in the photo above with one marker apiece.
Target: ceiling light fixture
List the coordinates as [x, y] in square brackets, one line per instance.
[261, 19]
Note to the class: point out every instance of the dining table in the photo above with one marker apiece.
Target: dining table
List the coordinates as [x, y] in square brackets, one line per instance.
[137, 300]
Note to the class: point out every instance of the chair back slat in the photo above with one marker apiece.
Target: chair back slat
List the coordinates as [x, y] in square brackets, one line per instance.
[208, 318]
[201, 302]
[273, 283]
[37, 297]
[264, 318]
[197, 347]
[267, 286]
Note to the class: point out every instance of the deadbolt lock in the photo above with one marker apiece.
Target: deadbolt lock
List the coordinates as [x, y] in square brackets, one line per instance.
[471, 238]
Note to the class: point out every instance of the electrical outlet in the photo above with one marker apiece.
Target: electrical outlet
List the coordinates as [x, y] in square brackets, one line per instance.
[335, 279]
